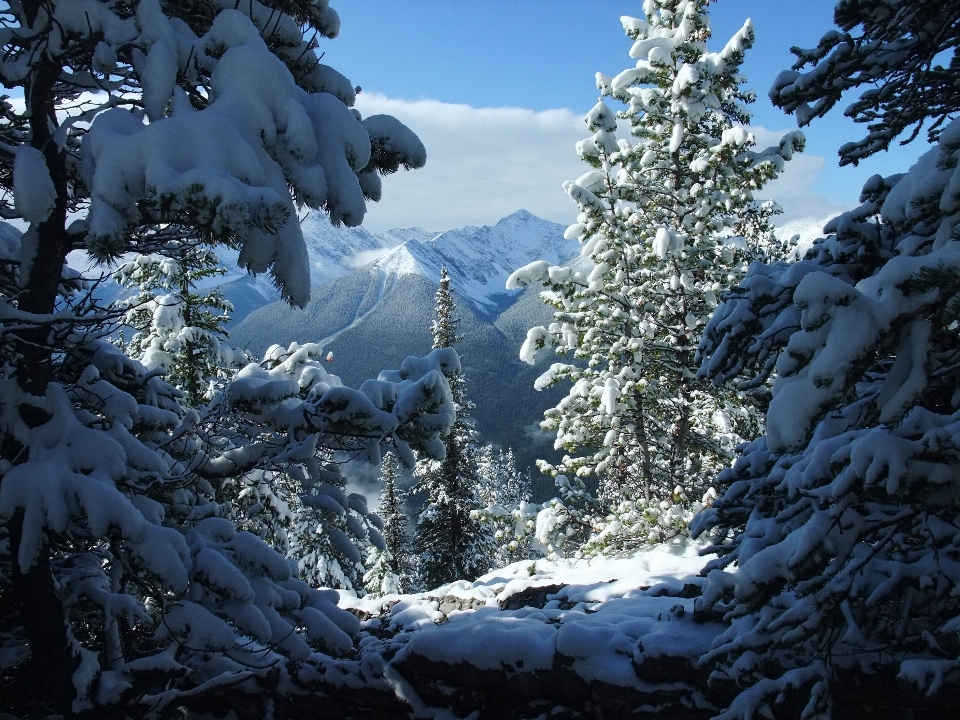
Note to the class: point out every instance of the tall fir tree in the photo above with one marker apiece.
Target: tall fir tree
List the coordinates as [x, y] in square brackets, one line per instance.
[394, 519]
[178, 329]
[449, 544]
[843, 519]
[389, 568]
[668, 221]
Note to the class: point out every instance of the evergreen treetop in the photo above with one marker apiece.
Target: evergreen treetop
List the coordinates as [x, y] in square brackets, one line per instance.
[444, 326]
[668, 221]
[182, 330]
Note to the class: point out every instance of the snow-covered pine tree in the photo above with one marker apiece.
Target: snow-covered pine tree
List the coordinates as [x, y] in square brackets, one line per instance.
[140, 121]
[389, 570]
[668, 221]
[449, 544]
[379, 579]
[910, 49]
[175, 327]
[500, 481]
[843, 520]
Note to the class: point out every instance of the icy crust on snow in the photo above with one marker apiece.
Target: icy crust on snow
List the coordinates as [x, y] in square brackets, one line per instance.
[231, 162]
[609, 615]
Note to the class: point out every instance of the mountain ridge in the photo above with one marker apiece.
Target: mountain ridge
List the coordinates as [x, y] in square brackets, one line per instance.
[378, 314]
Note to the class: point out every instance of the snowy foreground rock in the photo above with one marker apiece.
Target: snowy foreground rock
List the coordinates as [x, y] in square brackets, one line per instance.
[605, 637]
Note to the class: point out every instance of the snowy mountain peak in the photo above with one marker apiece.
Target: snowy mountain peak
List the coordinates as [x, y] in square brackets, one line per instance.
[479, 259]
[520, 216]
[403, 260]
[333, 251]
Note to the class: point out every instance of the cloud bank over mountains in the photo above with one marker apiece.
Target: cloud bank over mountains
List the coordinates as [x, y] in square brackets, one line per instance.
[484, 163]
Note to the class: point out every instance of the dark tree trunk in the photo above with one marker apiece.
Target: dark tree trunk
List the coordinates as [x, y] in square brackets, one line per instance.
[40, 605]
[41, 613]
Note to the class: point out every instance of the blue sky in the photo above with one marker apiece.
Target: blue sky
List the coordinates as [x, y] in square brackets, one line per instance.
[496, 89]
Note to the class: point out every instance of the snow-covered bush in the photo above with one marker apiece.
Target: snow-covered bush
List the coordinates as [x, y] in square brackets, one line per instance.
[144, 121]
[508, 514]
[634, 522]
[575, 524]
[843, 520]
[668, 220]
[565, 523]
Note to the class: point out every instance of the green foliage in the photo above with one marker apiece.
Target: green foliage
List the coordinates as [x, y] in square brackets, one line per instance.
[389, 567]
[668, 223]
[449, 544]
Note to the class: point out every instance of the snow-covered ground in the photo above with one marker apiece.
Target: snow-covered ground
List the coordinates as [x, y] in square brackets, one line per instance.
[602, 619]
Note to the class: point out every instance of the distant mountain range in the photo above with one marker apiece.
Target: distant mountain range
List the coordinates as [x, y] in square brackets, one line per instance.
[480, 259]
[333, 252]
[373, 302]
[374, 316]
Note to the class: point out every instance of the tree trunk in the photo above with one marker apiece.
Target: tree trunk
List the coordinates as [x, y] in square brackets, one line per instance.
[646, 468]
[54, 658]
[40, 605]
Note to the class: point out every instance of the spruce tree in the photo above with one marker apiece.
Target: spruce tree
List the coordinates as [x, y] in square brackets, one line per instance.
[843, 519]
[392, 515]
[389, 567]
[179, 329]
[668, 221]
[449, 544]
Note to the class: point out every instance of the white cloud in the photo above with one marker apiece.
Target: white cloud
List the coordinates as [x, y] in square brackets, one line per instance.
[796, 189]
[482, 164]
[485, 163]
[365, 257]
